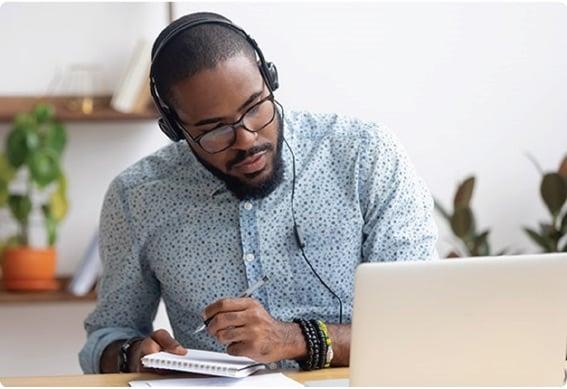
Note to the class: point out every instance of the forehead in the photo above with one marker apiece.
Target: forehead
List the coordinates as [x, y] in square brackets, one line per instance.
[217, 92]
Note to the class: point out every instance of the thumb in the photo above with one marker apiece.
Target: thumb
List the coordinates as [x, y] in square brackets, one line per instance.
[168, 343]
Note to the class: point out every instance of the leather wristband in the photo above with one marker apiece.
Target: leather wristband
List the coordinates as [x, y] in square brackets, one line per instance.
[123, 355]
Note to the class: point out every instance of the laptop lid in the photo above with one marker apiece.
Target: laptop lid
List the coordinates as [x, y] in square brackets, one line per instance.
[473, 321]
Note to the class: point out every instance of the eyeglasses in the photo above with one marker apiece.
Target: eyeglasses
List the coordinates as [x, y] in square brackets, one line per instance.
[255, 119]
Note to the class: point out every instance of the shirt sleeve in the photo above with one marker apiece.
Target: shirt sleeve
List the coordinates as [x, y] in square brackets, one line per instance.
[128, 292]
[397, 206]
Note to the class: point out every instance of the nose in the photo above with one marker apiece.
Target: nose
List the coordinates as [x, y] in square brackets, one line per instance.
[244, 138]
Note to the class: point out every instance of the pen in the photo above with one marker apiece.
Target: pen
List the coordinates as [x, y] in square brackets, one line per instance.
[247, 293]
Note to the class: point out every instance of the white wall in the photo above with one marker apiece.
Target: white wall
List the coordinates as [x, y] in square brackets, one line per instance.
[467, 87]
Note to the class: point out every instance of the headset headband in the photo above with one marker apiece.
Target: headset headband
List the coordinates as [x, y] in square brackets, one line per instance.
[168, 121]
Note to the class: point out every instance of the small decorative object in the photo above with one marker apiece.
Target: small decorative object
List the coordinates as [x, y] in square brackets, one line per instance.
[80, 84]
[470, 243]
[31, 179]
[552, 235]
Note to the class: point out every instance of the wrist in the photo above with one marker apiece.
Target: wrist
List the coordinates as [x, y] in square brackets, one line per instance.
[296, 348]
[128, 362]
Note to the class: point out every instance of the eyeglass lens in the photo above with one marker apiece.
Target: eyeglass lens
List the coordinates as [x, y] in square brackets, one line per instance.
[254, 120]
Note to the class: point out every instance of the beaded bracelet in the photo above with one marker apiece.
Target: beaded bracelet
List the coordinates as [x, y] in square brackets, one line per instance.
[327, 338]
[316, 345]
[322, 355]
[306, 364]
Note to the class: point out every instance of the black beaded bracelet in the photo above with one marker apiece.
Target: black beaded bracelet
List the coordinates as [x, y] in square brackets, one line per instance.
[317, 346]
[307, 363]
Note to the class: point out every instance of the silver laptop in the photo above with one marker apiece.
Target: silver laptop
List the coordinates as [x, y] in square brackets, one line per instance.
[494, 321]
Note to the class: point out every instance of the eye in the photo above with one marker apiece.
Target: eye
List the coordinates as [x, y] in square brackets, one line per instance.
[254, 109]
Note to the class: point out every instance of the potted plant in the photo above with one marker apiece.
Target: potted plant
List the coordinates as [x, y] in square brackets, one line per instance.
[470, 242]
[552, 235]
[31, 179]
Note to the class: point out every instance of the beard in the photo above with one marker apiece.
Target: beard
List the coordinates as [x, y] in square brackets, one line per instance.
[244, 190]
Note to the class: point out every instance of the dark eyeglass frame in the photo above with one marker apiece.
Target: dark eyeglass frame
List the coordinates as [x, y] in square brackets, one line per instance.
[234, 125]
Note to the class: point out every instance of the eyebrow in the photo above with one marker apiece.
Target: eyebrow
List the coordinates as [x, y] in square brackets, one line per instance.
[250, 99]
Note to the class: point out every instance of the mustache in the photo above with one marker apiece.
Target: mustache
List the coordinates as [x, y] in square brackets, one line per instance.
[242, 155]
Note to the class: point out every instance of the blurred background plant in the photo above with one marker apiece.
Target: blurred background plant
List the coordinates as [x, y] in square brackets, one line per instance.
[31, 174]
[469, 242]
[552, 234]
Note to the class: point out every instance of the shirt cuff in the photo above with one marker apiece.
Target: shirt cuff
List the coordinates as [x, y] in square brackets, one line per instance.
[97, 341]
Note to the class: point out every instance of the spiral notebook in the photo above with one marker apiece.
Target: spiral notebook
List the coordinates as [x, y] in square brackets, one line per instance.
[204, 362]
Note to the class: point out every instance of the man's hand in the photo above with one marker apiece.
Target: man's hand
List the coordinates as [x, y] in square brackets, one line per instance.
[248, 330]
[159, 340]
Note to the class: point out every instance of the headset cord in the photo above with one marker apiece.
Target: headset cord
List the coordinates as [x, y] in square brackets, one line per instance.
[299, 234]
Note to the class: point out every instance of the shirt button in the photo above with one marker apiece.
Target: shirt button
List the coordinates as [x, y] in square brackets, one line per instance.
[248, 206]
[249, 257]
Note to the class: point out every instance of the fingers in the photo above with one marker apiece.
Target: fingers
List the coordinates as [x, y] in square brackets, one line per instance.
[222, 321]
[231, 335]
[165, 342]
[228, 305]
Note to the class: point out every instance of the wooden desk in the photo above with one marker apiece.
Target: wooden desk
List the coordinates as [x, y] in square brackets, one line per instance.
[123, 379]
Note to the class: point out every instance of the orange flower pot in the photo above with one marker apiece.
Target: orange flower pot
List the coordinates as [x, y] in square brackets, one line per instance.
[26, 268]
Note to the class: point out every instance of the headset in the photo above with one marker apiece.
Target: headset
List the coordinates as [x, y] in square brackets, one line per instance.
[168, 121]
[169, 124]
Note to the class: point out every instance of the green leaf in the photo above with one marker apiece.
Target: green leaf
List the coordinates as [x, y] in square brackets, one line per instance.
[57, 206]
[17, 148]
[24, 122]
[3, 193]
[55, 137]
[554, 192]
[442, 210]
[481, 247]
[502, 252]
[563, 168]
[462, 222]
[62, 182]
[43, 112]
[51, 227]
[464, 193]
[6, 171]
[20, 206]
[44, 167]
[563, 227]
[546, 229]
[543, 241]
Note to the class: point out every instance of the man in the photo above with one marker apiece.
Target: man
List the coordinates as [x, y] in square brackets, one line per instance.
[202, 219]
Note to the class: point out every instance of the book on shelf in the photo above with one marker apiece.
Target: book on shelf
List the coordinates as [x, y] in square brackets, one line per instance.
[89, 270]
[133, 91]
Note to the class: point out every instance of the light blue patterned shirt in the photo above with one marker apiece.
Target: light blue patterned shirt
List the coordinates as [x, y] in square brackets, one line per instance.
[169, 229]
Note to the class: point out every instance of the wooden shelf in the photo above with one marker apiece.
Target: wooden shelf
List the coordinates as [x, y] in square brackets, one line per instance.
[56, 296]
[11, 105]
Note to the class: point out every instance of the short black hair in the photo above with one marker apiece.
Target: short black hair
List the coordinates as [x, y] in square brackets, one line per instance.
[201, 47]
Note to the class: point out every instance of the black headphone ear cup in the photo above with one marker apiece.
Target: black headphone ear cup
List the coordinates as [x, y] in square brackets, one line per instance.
[168, 130]
[272, 76]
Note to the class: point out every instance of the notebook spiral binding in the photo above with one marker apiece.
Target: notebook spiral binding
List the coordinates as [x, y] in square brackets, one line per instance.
[204, 367]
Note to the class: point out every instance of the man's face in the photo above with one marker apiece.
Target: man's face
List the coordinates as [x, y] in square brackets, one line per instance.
[221, 95]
